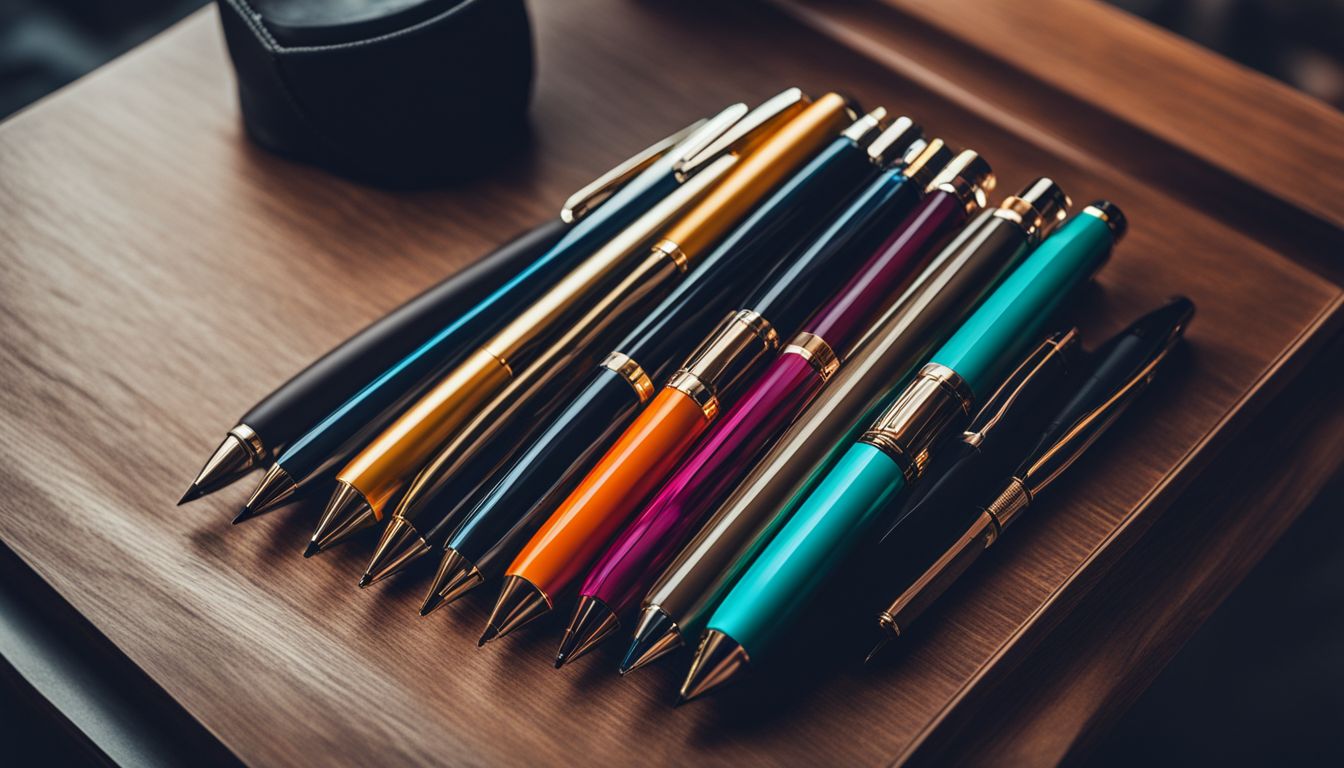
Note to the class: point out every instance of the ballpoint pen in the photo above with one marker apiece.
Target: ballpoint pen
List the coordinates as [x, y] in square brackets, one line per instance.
[1122, 370]
[549, 379]
[894, 451]
[369, 483]
[661, 435]
[629, 566]
[493, 531]
[449, 487]
[312, 459]
[269, 426]
[677, 606]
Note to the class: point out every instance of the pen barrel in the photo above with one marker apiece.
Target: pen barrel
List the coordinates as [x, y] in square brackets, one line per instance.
[520, 411]
[383, 468]
[937, 400]
[888, 271]
[379, 470]
[946, 291]
[941, 575]
[627, 473]
[798, 559]
[1012, 316]
[761, 169]
[502, 518]
[633, 561]
[771, 235]
[314, 392]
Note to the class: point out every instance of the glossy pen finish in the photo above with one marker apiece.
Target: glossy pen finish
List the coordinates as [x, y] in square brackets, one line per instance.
[369, 483]
[660, 436]
[967, 269]
[893, 453]
[550, 378]
[314, 457]
[1121, 370]
[628, 568]
[268, 427]
[483, 534]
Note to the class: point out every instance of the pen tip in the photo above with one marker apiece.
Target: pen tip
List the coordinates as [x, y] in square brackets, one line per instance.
[877, 649]
[243, 515]
[489, 634]
[656, 635]
[719, 660]
[365, 580]
[520, 602]
[193, 493]
[591, 623]
[312, 549]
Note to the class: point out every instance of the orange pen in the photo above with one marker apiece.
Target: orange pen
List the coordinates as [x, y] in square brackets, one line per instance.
[630, 471]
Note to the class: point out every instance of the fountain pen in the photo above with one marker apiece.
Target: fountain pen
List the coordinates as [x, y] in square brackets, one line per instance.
[514, 369]
[493, 530]
[894, 452]
[676, 607]
[1121, 370]
[683, 409]
[455, 479]
[313, 458]
[628, 567]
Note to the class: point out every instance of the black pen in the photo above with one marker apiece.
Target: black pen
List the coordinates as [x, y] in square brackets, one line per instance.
[1120, 371]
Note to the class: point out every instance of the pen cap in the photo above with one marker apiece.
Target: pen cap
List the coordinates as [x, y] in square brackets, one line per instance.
[758, 172]
[895, 140]
[1039, 207]
[925, 160]
[968, 176]
[866, 128]
[1013, 314]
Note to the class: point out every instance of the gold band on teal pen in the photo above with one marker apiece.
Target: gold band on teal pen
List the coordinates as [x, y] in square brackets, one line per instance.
[894, 452]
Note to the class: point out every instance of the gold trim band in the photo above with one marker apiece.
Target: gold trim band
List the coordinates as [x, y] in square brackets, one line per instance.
[816, 352]
[908, 429]
[625, 366]
[674, 253]
[251, 440]
[691, 386]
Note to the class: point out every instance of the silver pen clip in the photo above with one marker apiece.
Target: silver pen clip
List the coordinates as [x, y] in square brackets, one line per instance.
[592, 194]
[754, 125]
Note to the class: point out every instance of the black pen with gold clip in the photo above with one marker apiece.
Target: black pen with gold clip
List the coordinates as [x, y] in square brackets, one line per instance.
[1121, 370]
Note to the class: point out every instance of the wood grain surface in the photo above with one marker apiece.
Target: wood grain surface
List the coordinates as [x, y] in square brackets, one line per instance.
[159, 274]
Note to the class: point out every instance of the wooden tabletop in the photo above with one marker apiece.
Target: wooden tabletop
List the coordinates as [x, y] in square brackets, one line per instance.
[160, 274]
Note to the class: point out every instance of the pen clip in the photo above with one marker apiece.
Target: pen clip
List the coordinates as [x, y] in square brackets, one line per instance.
[592, 194]
[744, 132]
[1042, 470]
[1037, 371]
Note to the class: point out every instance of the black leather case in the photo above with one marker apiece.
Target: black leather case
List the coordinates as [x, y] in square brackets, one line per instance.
[422, 93]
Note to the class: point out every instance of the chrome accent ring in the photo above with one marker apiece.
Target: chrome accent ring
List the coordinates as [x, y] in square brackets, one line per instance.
[691, 386]
[632, 372]
[674, 253]
[816, 352]
[250, 440]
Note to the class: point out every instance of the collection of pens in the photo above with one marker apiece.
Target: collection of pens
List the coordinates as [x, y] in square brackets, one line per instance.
[775, 340]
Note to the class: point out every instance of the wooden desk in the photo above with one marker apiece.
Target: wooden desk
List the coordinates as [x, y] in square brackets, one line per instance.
[146, 244]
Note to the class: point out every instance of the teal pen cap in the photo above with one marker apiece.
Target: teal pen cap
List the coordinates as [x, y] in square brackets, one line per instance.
[1012, 316]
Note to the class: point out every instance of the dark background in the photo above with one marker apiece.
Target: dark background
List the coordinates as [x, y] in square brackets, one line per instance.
[1261, 682]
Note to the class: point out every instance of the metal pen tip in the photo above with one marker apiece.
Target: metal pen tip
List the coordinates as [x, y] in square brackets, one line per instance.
[520, 602]
[719, 660]
[401, 544]
[656, 635]
[243, 515]
[193, 493]
[311, 549]
[489, 634]
[347, 514]
[365, 580]
[591, 623]
[877, 649]
[275, 489]
[230, 461]
[456, 577]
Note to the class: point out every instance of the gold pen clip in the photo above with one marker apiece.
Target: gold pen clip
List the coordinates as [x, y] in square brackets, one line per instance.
[591, 195]
[743, 133]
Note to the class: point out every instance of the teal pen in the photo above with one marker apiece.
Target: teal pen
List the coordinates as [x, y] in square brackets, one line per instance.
[893, 453]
